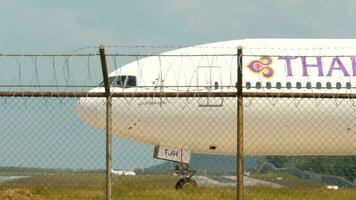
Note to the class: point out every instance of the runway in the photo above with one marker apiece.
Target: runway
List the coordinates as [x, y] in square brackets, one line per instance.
[230, 181]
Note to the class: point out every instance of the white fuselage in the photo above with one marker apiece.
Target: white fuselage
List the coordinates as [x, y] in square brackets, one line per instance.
[208, 125]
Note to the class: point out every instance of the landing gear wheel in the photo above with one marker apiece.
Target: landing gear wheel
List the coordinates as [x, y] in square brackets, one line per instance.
[185, 183]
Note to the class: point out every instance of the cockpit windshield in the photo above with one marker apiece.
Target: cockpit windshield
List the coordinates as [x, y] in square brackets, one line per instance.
[121, 81]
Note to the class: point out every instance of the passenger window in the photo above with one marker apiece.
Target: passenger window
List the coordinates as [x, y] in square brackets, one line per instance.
[268, 85]
[248, 85]
[258, 85]
[348, 85]
[338, 85]
[328, 85]
[278, 85]
[308, 85]
[299, 85]
[318, 85]
[288, 85]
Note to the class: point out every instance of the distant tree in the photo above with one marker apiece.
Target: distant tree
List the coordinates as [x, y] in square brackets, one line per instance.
[344, 166]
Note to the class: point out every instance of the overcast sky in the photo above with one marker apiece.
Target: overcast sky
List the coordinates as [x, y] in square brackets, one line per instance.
[42, 25]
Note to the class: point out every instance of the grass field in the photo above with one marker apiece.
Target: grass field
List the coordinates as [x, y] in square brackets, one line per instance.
[92, 186]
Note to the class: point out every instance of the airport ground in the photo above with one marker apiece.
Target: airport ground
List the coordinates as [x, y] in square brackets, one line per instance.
[80, 186]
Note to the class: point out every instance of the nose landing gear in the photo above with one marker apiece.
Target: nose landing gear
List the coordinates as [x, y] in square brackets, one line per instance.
[186, 183]
[186, 174]
[181, 157]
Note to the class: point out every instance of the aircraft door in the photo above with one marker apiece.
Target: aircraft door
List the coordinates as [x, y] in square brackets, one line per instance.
[209, 79]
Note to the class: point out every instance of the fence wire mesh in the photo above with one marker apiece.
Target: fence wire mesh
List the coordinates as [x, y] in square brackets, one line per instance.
[54, 147]
[47, 152]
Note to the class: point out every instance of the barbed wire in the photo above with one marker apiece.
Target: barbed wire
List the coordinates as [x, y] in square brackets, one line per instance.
[64, 63]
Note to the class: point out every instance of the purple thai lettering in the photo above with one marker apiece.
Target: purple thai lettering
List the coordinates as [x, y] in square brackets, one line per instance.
[288, 59]
[353, 60]
[318, 64]
[337, 62]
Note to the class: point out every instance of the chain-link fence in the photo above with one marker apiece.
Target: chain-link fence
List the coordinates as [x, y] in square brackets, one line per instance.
[47, 152]
[168, 142]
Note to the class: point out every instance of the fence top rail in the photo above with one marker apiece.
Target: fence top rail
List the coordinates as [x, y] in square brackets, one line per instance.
[174, 55]
[115, 54]
[176, 94]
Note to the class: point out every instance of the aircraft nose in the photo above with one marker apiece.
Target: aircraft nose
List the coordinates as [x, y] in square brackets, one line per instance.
[88, 109]
[80, 108]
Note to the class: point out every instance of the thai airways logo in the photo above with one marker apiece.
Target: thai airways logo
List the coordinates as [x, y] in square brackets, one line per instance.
[262, 66]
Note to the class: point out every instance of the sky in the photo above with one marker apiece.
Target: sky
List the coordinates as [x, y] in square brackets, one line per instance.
[61, 26]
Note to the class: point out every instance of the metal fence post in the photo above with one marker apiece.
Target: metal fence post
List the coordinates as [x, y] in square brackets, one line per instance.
[240, 129]
[108, 122]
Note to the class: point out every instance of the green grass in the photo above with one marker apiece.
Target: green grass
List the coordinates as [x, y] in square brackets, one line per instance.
[289, 180]
[80, 186]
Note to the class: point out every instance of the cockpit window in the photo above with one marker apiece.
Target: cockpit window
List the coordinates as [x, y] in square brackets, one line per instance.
[121, 81]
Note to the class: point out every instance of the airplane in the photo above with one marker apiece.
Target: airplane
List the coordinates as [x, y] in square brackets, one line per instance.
[123, 173]
[179, 126]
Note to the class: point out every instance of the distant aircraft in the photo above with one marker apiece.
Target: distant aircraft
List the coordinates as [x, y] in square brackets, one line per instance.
[269, 65]
[123, 173]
